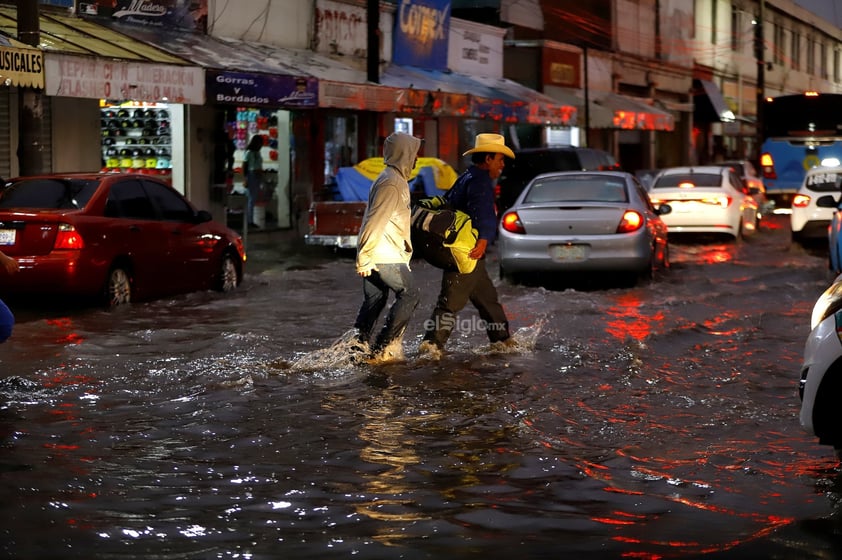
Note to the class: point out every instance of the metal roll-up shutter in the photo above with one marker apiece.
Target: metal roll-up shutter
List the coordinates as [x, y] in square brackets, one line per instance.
[5, 134]
[47, 135]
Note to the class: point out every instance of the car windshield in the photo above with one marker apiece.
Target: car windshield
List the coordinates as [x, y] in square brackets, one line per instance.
[578, 188]
[48, 194]
[696, 179]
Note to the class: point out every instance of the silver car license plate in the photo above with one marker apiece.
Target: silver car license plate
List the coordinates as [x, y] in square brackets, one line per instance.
[568, 253]
[7, 236]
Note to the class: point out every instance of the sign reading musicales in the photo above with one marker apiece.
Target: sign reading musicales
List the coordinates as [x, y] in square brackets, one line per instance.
[21, 67]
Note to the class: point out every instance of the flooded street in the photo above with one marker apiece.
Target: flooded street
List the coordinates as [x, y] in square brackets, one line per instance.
[659, 421]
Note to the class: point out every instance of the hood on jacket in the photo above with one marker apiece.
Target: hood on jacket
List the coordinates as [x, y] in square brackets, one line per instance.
[400, 150]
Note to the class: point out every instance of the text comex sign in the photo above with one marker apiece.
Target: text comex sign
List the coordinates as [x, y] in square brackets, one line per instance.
[21, 67]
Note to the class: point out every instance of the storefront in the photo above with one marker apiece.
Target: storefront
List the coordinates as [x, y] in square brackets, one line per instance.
[20, 67]
[140, 110]
[251, 104]
[110, 101]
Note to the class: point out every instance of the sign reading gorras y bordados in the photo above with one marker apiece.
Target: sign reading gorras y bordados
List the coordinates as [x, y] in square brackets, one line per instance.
[21, 67]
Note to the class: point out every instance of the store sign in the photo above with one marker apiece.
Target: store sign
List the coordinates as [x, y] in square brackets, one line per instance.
[421, 33]
[99, 78]
[186, 14]
[262, 90]
[562, 68]
[21, 67]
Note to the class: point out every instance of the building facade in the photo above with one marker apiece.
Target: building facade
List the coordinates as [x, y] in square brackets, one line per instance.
[655, 82]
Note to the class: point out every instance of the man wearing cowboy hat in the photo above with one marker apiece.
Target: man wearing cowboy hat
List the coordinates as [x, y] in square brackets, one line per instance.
[473, 193]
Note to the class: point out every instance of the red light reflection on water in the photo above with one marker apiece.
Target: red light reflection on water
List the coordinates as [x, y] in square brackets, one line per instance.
[626, 320]
[66, 334]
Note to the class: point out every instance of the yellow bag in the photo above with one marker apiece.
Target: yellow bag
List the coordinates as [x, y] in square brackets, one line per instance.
[443, 236]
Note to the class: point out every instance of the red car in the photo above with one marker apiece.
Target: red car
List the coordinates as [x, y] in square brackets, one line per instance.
[113, 236]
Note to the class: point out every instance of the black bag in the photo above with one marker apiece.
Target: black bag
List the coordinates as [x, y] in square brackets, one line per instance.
[435, 223]
[436, 218]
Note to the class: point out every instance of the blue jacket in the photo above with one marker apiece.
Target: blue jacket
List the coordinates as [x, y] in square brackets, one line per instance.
[473, 193]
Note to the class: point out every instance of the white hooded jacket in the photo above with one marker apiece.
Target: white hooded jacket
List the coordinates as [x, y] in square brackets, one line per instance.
[385, 232]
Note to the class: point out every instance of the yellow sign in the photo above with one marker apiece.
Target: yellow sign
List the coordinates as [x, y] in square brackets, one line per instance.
[21, 67]
[811, 161]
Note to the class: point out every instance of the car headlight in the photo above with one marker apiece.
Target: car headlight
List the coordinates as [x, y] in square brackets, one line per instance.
[828, 303]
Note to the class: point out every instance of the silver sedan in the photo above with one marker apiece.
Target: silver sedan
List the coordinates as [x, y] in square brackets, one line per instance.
[583, 221]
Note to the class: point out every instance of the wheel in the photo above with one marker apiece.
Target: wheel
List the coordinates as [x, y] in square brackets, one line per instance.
[227, 278]
[118, 288]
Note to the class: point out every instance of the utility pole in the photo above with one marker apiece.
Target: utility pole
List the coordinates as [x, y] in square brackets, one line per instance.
[759, 55]
[30, 101]
[373, 46]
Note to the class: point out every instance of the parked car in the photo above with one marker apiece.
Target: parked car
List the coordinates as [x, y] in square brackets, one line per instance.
[810, 220]
[748, 173]
[583, 221]
[821, 370]
[705, 199]
[834, 231]
[533, 161]
[117, 237]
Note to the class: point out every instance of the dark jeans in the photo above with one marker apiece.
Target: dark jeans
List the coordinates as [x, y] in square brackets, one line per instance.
[456, 291]
[7, 321]
[376, 287]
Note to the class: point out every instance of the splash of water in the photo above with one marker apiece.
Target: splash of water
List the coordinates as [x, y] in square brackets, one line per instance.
[522, 340]
[346, 352]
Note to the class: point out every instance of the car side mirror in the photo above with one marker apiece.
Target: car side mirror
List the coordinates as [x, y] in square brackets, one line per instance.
[203, 216]
[664, 209]
[826, 201]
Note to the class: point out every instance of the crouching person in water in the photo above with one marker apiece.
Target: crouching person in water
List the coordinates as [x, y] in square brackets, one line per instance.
[384, 250]
[8, 265]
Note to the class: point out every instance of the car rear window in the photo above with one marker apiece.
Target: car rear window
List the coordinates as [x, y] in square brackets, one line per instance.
[697, 179]
[578, 189]
[824, 182]
[48, 194]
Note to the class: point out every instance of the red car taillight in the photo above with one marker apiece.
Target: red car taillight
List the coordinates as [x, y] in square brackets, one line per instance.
[68, 238]
[632, 221]
[311, 220]
[800, 201]
[511, 223]
[767, 166]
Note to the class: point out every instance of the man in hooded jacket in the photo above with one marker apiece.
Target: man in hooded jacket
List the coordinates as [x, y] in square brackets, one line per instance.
[384, 249]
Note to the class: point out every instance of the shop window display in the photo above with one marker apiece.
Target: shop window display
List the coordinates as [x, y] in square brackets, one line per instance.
[252, 122]
[136, 138]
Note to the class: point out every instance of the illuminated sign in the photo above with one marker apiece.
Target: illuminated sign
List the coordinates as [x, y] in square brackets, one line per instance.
[421, 33]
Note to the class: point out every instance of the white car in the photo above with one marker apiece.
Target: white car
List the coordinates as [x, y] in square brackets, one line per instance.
[705, 199]
[810, 220]
[821, 370]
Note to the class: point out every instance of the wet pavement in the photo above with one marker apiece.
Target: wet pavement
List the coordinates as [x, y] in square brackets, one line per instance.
[658, 421]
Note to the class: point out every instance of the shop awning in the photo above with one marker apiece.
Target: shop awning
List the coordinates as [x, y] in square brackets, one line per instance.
[613, 110]
[495, 98]
[710, 105]
[251, 68]
[84, 59]
[72, 35]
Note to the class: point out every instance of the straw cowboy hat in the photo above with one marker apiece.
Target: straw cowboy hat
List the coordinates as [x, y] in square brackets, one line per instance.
[491, 143]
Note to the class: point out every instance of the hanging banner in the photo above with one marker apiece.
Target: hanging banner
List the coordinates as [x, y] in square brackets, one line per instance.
[100, 78]
[183, 14]
[421, 31]
[262, 90]
[21, 67]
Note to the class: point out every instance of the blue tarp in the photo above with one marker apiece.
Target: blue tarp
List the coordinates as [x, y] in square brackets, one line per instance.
[353, 185]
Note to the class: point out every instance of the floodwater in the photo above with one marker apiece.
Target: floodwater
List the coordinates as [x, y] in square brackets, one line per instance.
[659, 421]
